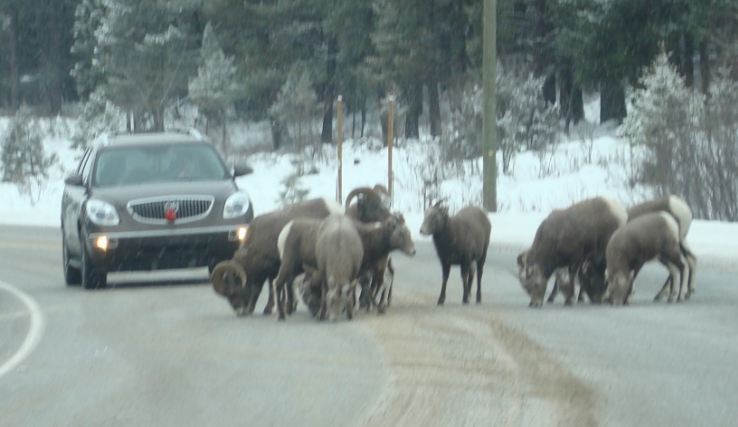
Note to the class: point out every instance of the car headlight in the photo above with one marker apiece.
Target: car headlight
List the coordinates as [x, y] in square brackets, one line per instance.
[237, 204]
[101, 213]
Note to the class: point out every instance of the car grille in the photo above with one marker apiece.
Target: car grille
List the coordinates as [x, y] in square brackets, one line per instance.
[152, 211]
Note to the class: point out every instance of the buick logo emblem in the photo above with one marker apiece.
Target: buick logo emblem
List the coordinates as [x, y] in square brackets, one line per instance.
[170, 211]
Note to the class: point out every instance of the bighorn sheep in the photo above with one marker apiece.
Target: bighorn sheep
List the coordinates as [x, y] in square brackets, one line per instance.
[591, 278]
[241, 279]
[297, 246]
[372, 204]
[461, 240]
[339, 253]
[681, 212]
[378, 240]
[647, 237]
[566, 238]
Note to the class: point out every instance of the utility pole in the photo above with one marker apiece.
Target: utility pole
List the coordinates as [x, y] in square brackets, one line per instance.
[339, 139]
[390, 143]
[489, 75]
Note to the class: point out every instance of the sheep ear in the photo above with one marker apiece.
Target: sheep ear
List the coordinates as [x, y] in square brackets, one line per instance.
[521, 260]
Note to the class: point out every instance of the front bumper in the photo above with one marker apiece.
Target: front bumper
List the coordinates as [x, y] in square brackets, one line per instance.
[164, 248]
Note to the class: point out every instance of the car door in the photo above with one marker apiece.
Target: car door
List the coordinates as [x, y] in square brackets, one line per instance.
[72, 201]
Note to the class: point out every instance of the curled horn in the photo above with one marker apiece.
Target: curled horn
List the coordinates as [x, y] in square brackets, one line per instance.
[356, 192]
[218, 276]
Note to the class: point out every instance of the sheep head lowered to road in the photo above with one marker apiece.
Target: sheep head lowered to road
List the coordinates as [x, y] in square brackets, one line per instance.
[681, 212]
[650, 236]
[566, 238]
[339, 253]
[259, 258]
[460, 240]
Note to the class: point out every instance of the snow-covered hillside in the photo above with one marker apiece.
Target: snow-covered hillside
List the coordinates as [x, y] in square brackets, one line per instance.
[536, 184]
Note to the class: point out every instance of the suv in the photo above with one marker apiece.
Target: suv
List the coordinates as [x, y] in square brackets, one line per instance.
[150, 201]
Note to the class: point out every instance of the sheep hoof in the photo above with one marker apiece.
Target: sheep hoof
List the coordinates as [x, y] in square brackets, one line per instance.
[441, 300]
[568, 302]
[267, 311]
[242, 312]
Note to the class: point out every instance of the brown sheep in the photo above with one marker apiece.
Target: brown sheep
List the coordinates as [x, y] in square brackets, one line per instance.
[460, 240]
[566, 238]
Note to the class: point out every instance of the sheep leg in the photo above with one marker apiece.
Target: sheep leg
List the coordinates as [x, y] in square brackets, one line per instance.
[446, 267]
[465, 275]
[480, 269]
[350, 301]
[674, 263]
[692, 263]
[323, 300]
[554, 291]
[280, 292]
[569, 289]
[471, 274]
[389, 278]
[270, 301]
[667, 285]
[366, 292]
[381, 292]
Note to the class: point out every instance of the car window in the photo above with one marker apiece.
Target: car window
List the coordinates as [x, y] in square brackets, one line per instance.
[141, 164]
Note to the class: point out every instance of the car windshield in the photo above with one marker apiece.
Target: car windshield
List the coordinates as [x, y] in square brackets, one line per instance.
[142, 164]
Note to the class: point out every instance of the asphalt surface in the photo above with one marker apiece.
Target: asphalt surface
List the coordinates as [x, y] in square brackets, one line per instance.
[174, 353]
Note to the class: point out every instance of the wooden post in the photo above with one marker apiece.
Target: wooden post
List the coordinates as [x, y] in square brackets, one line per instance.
[390, 141]
[339, 140]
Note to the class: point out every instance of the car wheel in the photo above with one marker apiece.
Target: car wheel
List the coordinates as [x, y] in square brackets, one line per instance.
[92, 277]
[72, 275]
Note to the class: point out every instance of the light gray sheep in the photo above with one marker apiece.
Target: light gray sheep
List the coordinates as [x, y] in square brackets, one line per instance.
[647, 237]
[339, 253]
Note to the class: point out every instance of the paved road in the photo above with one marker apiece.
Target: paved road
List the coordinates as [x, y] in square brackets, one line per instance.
[175, 354]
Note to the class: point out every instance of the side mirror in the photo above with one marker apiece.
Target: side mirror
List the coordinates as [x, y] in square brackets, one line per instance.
[74, 179]
[241, 170]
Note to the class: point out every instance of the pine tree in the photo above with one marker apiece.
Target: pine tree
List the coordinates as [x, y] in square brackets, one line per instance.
[215, 87]
[148, 52]
[87, 71]
[23, 159]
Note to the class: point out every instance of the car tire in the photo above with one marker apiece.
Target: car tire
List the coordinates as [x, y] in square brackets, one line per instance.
[72, 275]
[92, 277]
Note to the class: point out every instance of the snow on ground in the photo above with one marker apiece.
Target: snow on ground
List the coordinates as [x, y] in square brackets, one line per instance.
[536, 184]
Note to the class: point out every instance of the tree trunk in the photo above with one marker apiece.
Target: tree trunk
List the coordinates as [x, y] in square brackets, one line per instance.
[414, 109]
[54, 60]
[277, 133]
[612, 101]
[363, 117]
[704, 66]
[434, 108]
[353, 123]
[688, 60]
[549, 89]
[566, 84]
[13, 60]
[159, 119]
[326, 135]
[577, 104]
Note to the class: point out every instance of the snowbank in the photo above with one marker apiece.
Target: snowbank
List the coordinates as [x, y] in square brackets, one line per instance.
[535, 185]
